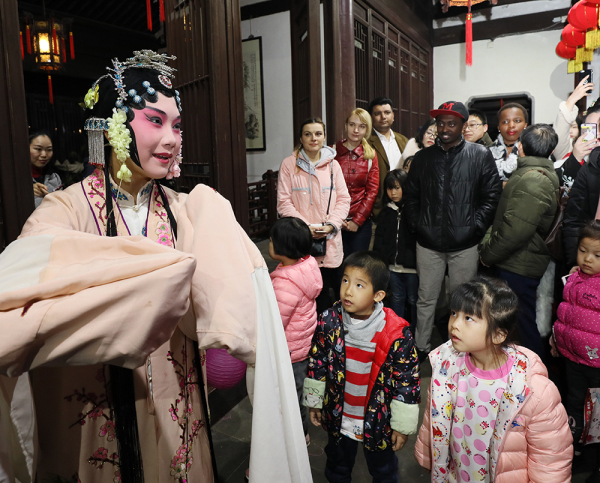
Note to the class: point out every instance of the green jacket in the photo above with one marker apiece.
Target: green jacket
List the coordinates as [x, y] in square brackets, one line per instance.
[486, 140]
[515, 241]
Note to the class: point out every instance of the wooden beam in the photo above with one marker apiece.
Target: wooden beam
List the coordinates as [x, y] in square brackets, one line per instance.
[499, 28]
[263, 9]
[227, 99]
[455, 11]
[305, 32]
[400, 15]
[340, 87]
[16, 202]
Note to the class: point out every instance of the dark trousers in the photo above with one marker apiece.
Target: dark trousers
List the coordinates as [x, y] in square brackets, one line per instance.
[404, 287]
[526, 289]
[579, 379]
[359, 240]
[330, 281]
[300, 369]
[383, 465]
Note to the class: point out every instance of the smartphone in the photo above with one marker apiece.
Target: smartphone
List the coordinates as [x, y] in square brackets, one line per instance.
[589, 131]
[586, 72]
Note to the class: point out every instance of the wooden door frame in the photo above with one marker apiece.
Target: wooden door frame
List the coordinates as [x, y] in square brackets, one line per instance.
[16, 195]
[227, 104]
[314, 75]
[340, 83]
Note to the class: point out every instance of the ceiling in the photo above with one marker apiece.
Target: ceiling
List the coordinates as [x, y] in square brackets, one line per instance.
[126, 14]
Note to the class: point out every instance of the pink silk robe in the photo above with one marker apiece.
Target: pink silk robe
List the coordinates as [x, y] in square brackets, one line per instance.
[72, 301]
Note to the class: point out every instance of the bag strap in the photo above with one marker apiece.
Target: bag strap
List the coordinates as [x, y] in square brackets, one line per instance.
[331, 188]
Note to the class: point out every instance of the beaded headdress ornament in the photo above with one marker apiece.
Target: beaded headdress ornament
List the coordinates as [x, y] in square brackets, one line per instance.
[118, 132]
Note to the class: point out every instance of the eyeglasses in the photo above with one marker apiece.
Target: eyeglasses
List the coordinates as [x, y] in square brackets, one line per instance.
[473, 126]
[431, 134]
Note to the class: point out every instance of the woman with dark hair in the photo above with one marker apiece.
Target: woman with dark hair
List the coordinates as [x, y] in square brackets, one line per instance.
[311, 187]
[424, 138]
[45, 179]
[512, 119]
[109, 298]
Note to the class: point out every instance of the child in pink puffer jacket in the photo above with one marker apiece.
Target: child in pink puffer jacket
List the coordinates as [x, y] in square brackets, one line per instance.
[297, 282]
[577, 330]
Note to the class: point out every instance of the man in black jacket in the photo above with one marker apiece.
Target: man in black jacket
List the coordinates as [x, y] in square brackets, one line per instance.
[450, 200]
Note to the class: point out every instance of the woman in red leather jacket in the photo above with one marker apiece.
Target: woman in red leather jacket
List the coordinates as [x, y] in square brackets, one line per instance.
[358, 161]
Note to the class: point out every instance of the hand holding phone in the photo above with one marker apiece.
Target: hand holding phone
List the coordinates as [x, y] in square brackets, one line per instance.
[589, 131]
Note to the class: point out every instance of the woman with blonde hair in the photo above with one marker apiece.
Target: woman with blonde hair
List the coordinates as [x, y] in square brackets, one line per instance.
[358, 161]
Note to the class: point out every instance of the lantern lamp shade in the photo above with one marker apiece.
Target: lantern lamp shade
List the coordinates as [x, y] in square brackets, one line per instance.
[223, 371]
[573, 37]
[564, 51]
[46, 45]
[584, 15]
[597, 2]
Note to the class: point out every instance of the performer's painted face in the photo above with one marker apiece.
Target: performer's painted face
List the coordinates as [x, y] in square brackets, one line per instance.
[157, 130]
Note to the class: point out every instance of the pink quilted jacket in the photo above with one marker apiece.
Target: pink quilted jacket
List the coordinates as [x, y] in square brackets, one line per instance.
[296, 288]
[535, 447]
[577, 330]
[305, 196]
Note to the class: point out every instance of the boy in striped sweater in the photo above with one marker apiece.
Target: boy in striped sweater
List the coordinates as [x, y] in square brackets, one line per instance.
[363, 381]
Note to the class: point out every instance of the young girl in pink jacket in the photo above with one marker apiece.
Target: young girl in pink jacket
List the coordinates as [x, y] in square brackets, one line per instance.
[297, 283]
[492, 413]
[577, 330]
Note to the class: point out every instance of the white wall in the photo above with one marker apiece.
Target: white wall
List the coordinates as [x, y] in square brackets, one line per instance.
[518, 63]
[277, 74]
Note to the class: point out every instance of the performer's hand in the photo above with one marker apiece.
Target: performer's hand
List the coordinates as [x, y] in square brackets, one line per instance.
[398, 440]
[315, 416]
[39, 190]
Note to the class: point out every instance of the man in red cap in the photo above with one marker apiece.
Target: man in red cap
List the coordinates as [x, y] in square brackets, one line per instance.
[450, 199]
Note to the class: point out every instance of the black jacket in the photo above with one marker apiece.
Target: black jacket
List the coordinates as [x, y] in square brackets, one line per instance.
[582, 205]
[394, 242]
[450, 197]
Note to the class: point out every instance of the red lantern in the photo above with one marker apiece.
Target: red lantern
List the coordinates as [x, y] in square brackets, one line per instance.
[573, 37]
[596, 2]
[583, 15]
[223, 371]
[564, 51]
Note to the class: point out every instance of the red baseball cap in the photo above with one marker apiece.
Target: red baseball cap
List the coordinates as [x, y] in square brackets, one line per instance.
[451, 108]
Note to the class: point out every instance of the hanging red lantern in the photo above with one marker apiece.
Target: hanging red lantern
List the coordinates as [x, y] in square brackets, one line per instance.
[572, 36]
[564, 51]
[583, 15]
[596, 2]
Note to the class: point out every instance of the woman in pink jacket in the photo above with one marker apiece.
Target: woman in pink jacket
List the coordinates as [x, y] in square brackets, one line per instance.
[297, 283]
[311, 187]
[492, 413]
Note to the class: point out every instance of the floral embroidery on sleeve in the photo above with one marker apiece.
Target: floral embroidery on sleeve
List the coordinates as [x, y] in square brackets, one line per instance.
[182, 412]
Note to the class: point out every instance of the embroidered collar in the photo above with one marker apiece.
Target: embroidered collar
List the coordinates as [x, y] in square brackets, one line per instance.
[124, 196]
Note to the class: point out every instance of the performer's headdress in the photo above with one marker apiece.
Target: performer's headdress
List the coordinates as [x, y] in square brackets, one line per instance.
[114, 96]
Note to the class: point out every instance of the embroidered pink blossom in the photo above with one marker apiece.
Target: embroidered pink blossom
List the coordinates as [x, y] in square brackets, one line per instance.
[108, 430]
[181, 462]
[95, 413]
[101, 453]
[173, 412]
[117, 478]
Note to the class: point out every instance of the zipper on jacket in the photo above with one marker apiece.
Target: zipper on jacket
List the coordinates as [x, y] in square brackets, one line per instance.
[444, 198]
[397, 237]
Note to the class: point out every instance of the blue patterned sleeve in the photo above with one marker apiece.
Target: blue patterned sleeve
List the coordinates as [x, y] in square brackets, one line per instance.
[406, 384]
[317, 362]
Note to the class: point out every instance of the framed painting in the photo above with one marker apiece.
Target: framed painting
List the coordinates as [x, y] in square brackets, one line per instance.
[254, 105]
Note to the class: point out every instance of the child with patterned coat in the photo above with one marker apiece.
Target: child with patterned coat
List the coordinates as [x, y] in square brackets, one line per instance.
[492, 413]
[363, 381]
